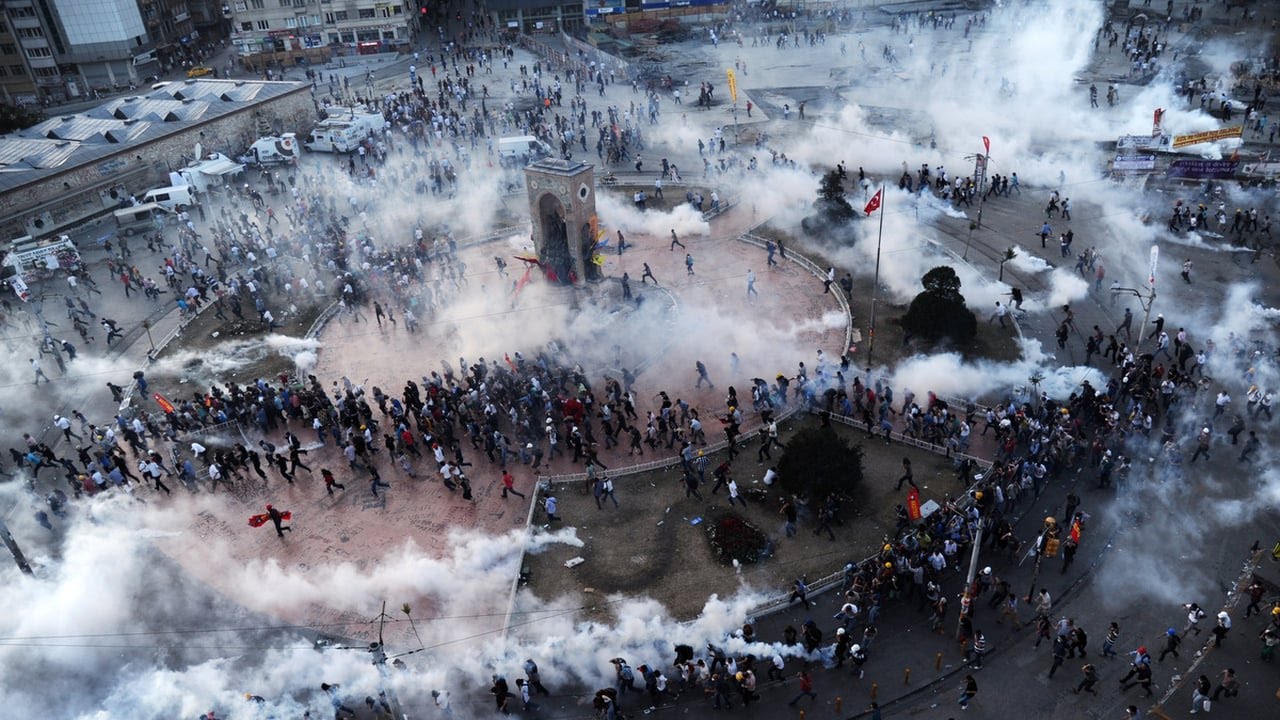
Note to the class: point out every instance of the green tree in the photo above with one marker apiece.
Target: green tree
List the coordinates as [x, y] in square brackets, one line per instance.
[940, 310]
[18, 117]
[819, 461]
[831, 202]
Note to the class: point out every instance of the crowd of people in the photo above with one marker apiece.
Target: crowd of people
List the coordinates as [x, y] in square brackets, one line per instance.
[534, 410]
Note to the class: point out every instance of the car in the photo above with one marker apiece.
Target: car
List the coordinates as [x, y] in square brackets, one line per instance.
[199, 71]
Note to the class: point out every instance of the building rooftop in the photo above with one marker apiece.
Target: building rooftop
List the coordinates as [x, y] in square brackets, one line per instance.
[64, 142]
[557, 166]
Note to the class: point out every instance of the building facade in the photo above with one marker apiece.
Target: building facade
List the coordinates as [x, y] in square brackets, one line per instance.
[172, 27]
[17, 85]
[284, 32]
[70, 47]
[535, 17]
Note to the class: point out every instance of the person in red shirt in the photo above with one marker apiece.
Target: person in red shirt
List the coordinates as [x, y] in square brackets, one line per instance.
[806, 688]
[508, 485]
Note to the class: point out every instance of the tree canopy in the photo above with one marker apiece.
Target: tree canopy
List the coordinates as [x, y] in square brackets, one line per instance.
[940, 310]
[831, 201]
[18, 117]
[819, 461]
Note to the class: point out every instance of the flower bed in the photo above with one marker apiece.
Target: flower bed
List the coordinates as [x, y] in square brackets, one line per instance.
[733, 538]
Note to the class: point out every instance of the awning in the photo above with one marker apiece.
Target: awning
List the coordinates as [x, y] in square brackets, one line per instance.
[219, 167]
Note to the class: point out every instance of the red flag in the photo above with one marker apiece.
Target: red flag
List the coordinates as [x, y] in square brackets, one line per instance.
[163, 402]
[986, 143]
[874, 203]
[1075, 533]
[913, 503]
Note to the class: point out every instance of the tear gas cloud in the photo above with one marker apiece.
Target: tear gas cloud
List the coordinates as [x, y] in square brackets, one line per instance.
[111, 631]
[104, 576]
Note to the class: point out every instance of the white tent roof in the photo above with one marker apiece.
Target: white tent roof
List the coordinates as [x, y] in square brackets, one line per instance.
[218, 166]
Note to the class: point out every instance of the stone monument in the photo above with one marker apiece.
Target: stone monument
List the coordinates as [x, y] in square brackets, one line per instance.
[562, 207]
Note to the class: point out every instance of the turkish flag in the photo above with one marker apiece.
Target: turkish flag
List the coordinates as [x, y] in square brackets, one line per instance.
[874, 203]
[986, 143]
[913, 504]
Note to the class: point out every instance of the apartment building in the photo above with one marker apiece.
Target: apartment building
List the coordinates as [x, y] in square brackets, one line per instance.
[287, 31]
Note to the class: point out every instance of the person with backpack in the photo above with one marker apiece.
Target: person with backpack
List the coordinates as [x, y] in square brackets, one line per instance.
[626, 677]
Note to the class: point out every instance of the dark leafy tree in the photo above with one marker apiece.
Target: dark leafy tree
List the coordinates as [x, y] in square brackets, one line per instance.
[818, 461]
[940, 311]
[831, 203]
[18, 117]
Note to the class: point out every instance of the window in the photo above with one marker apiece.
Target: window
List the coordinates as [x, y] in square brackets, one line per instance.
[340, 15]
[39, 52]
[397, 10]
[8, 49]
[3, 72]
[241, 6]
[31, 32]
[246, 26]
[365, 13]
[290, 22]
[17, 70]
[384, 11]
[264, 24]
[45, 72]
[22, 12]
[256, 4]
[329, 18]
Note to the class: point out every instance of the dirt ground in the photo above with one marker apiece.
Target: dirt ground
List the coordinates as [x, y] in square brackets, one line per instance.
[649, 545]
[992, 341]
[207, 333]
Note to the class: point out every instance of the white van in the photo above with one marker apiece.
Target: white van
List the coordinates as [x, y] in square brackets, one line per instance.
[336, 136]
[521, 150]
[272, 150]
[141, 218]
[176, 198]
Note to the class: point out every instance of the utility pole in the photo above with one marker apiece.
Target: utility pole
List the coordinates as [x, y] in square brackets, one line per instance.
[1048, 534]
[379, 653]
[980, 169]
[1146, 301]
[12, 544]
[966, 600]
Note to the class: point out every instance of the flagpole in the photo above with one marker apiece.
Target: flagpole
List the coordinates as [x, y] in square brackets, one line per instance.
[875, 287]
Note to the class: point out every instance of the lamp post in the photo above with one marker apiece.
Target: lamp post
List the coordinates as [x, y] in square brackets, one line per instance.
[1008, 255]
[985, 160]
[146, 325]
[1146, 300]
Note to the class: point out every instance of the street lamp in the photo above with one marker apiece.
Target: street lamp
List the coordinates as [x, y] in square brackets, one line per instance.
[1146, 300]
[146, 325]
[983, 161]
[1008, 255]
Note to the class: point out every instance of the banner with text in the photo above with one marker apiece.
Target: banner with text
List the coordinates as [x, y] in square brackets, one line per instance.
[1181, 141]
[1126, 163]
[1203, 169]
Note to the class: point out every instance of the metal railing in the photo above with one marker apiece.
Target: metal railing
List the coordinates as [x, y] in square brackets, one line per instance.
[819, 273]
[905, 439]
[321, 320]
[662, 463]
[207, 430]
